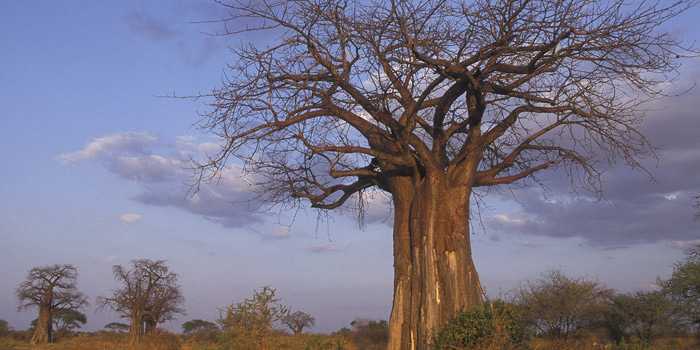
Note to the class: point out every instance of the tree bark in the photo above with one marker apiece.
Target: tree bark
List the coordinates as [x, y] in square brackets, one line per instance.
[43, 331]
[434, 274]
[136, 327]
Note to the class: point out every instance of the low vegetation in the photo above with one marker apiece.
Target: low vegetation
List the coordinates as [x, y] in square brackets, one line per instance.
[554, 312]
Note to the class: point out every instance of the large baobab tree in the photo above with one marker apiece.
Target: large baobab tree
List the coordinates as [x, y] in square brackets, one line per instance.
[429, 101]
[53, 290]
[149, 295]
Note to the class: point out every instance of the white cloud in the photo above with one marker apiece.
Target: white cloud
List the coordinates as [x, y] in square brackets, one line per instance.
[280, 232]
[505, 218]
[120, 143]
[130, 218]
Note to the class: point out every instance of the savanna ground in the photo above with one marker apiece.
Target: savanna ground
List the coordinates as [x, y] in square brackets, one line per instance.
[167, 341]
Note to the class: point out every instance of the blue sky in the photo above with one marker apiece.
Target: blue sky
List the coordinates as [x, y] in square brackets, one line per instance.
[94, 176]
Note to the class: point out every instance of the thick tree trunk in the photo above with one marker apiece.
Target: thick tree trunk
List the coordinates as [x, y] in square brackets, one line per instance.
[136, 327]
[434, 275]
[43, 331]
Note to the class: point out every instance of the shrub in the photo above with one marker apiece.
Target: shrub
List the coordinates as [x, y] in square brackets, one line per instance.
[644, 315]
[684, 286]
[558, 306]
[368, 334]
[494, 324]
[250, 323]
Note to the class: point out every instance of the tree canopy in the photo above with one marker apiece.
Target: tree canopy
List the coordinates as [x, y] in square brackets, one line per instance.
[52, 290]
[149, 294]
[684, 285]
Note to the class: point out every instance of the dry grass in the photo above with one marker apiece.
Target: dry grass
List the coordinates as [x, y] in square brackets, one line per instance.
[168, 341]
[162, 341]
[593, 343]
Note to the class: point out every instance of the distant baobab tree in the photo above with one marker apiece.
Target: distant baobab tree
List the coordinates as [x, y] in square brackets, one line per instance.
[297, 321]
[429, 101]
[149, 295]
[53, 290]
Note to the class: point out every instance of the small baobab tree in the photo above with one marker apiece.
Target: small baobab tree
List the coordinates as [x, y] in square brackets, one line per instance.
[297, 321]
[52, 290]
[149, 294]
[430, 101]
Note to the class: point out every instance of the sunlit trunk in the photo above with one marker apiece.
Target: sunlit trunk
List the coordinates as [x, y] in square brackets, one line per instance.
[43, 331]
[136, 327]
[434, 275]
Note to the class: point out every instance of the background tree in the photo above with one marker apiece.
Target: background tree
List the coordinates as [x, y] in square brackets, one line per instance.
[684, 285]
[251, 321]
[64, 322]
[201, 330]
[149, 294]
[117, 327]
[67, 321]
[194, 326]
[559, 306]
[370, 334]
[645, 315]
[4, 328]
[51, 289]
[297, 321]
[164, 305]
[428, 101]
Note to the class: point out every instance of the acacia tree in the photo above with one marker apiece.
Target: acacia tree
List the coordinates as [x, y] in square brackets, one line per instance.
[195, 326]
[429, 101]
[117, 327]
[64, 322]
[149, 294]
[52, 289]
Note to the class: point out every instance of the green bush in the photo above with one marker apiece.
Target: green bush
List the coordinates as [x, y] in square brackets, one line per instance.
[482, 327]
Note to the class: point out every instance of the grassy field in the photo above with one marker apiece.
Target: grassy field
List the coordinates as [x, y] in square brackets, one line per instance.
[314, 342]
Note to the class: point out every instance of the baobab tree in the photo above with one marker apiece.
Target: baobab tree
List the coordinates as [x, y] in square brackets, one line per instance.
[430, 101]
[149, 294]
[53, 290]
[297, 321]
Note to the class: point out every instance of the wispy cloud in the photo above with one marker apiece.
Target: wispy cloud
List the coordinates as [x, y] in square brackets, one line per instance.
[149, 27]
[130, 218]
[322, 248]
[164, 173]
